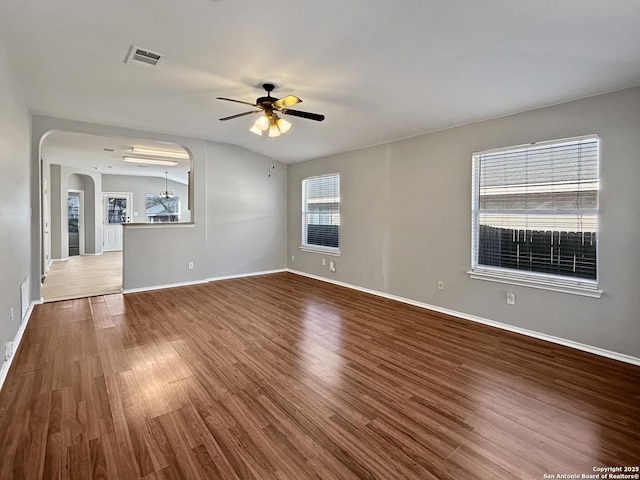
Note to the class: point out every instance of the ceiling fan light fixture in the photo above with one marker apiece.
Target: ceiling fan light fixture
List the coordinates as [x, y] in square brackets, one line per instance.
[255, 130]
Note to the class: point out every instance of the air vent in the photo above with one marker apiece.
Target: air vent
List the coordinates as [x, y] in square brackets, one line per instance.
[143, 58]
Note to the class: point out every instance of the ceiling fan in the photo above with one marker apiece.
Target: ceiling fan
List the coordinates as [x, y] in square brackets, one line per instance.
[271, 106]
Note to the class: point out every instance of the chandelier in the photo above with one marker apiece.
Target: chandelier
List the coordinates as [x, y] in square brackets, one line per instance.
[166, 194]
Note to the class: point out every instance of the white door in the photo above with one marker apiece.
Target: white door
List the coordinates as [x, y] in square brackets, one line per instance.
[116, 212]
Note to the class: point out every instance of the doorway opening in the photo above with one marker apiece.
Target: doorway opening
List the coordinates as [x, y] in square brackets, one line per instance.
[83, 210]
[75, 223]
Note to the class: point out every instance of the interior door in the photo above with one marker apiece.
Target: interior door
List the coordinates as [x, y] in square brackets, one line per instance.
[116, 212]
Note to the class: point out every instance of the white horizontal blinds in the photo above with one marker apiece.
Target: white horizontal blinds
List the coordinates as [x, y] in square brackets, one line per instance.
[321, 211]
[537, 208]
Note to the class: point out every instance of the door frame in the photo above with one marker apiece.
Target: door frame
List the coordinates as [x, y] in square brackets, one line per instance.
[80, 219]
[46, 226]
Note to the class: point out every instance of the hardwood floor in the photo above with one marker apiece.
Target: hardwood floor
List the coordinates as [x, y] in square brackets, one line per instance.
[285, 377]
[83, 276]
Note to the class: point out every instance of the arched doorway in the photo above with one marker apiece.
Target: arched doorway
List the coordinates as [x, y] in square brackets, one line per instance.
[80, 168]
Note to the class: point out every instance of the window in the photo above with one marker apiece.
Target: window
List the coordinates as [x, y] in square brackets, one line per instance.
[160, 209]
[535, 212]
[116, 210]
[321, 213]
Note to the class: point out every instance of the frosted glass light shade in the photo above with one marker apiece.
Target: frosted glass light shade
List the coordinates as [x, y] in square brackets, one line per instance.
[283, 125]
[262, 123]
[274, 131]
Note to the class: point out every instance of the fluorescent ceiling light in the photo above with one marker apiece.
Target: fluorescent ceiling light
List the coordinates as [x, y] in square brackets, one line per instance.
[150, 161]
[156, 152]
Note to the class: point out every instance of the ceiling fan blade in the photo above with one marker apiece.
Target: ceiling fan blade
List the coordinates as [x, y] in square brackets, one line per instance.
[240, 115]
[286, 101]
[237, 101]
[297, 113]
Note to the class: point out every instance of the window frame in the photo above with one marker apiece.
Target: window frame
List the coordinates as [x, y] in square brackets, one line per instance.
[168, 222]
[313, 248]
[546, 281]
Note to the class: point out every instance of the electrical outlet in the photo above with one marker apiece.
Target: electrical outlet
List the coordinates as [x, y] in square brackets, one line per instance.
[11, 314]
[332, 266]
[293, 257]
[190, 265]
[324, 262]
[8, 350]
[440, 285]
[511, 298]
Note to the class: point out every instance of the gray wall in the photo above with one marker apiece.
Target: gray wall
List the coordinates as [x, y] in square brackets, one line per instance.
[92, 212]
[139, 187]
[14, 200]
[239, 213]
[246, 211]
[406, 221]
[56, 221]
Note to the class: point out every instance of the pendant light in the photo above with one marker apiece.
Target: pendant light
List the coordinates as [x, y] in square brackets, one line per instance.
[166, 194]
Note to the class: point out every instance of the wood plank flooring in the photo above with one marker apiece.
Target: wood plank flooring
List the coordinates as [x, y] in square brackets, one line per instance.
[83, 276]
[285, 377]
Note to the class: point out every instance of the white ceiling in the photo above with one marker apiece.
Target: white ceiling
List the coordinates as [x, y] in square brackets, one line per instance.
[379, 70]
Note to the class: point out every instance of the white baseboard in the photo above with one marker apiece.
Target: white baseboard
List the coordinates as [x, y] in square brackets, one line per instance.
[530, 333]
[66, 259]
[4, 370]
[242, 275]
[162, 287]
[198, 282]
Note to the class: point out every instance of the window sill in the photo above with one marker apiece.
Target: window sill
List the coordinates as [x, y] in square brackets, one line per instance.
[574, 288]
[322, 250]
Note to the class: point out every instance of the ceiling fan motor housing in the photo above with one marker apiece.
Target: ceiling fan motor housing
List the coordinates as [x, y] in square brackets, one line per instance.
[266, 102]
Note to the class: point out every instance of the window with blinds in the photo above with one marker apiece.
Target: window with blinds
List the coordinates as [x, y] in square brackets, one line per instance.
[321, 212]
[535, 212]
